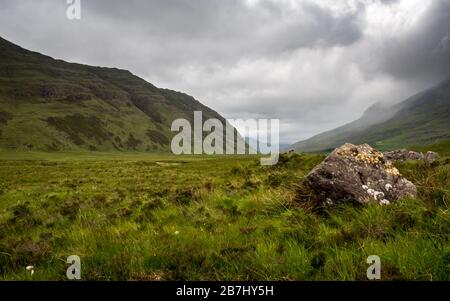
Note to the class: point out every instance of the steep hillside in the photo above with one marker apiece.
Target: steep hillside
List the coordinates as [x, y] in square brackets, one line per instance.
[422, 119]
[52, 105]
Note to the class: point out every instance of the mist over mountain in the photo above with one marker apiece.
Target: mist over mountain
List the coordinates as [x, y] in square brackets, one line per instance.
[422, 119]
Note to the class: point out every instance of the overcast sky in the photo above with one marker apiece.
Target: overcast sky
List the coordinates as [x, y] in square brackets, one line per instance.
[314, 65]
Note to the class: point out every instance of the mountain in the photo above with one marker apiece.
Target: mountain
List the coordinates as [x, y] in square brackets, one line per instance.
[53, 105]
[420, 120]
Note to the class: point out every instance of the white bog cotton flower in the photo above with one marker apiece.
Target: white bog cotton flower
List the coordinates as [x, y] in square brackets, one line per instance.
[30, 268]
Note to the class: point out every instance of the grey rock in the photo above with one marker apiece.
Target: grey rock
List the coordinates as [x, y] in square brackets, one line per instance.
[405, 155]
[360, 174]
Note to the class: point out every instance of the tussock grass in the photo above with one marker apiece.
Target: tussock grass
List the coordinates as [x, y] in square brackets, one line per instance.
[220, 218]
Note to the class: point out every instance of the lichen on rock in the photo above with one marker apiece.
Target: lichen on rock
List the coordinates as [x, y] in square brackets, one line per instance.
[360, 174]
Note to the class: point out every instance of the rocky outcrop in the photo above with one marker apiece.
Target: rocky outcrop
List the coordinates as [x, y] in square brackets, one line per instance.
[404, 155]
[358, 173]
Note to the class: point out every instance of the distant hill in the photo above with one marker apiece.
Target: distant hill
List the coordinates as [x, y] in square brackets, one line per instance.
[254, 144]
[52, 105]
[422, 119]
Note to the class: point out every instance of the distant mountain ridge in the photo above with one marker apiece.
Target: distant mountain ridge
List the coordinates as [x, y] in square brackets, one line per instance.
[53, 105]
[422, 119]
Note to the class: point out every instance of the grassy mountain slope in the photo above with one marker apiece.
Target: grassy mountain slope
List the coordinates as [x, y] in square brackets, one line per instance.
[52, 105]
[420, 120]
[442, 148]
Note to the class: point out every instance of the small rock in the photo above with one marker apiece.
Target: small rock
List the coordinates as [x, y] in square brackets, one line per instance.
[361, 174]
[405, 155]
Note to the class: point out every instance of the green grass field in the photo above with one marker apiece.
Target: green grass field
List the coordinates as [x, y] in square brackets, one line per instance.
[160, 217]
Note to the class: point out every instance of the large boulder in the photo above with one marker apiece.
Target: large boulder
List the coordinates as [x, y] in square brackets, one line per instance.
[358, 173]
[404, 155]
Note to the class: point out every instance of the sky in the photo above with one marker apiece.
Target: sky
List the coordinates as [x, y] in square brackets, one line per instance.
[314, 65]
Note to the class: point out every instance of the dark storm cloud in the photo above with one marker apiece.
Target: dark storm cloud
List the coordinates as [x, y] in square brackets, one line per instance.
[313, 64]
[231, 29]
[424, 52]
